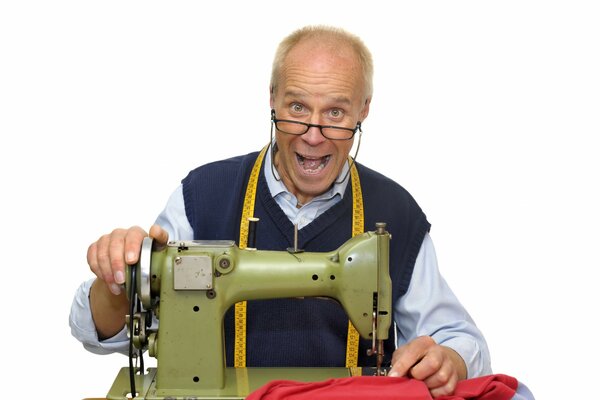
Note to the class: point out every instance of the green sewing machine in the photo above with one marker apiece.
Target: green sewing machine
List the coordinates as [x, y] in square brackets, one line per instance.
[188, 286]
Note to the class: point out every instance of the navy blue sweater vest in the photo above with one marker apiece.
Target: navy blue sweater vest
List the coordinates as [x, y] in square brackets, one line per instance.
[301, 332]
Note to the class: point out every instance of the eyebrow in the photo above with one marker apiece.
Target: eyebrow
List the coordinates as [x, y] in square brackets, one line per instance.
[300, 95]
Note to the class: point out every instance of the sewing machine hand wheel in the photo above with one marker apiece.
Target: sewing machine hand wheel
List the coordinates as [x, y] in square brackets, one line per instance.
[138, 282]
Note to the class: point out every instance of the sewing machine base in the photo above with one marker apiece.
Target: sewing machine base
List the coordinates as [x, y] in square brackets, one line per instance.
[240, 382]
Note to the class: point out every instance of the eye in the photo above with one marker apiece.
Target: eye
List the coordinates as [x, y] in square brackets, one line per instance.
[336, 113]
[297, 107]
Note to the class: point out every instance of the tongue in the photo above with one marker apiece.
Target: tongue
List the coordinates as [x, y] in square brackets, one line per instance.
[311, 164]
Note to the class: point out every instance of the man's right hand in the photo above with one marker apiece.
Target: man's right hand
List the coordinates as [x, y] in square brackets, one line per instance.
[107, 258]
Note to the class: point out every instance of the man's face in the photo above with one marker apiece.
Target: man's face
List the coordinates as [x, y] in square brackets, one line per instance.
[316, 86]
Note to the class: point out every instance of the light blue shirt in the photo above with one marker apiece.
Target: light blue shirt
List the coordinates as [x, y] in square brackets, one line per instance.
[429, 307]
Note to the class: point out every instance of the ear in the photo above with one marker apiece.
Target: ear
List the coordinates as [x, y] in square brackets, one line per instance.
[365, 111]
[271, 97]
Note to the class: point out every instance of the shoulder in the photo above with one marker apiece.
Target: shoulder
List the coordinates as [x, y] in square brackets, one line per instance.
[228, 163]
[373, 182]
[222, 169]
[387, 199]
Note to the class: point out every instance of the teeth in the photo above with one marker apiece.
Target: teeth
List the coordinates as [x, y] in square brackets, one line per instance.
[313, 164]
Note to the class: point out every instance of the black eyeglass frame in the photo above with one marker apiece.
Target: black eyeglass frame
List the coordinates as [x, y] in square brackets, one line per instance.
[308, 126]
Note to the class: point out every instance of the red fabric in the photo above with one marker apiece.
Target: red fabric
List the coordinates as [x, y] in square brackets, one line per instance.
[491, 387]
[360, 387]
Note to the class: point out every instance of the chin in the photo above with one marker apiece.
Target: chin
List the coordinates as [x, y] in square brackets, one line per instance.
[315, 188]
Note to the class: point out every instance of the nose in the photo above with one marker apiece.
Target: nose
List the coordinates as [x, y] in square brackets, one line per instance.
[314, 136]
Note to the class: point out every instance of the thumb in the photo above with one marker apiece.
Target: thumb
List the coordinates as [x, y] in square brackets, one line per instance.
[160, 236]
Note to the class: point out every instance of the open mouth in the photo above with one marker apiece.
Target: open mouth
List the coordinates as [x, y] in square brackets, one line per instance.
[312, 165]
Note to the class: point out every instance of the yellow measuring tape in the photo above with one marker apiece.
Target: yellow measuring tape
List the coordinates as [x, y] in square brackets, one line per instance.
[239, 357]
[358, 223]
[358, 227]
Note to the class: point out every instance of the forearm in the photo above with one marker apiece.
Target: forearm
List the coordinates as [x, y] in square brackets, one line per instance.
[430, 308]
[108, 310]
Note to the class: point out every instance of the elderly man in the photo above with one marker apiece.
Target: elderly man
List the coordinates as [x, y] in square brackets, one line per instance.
[321, 89]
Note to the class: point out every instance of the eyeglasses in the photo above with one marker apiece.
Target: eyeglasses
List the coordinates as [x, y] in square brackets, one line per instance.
[300, 128]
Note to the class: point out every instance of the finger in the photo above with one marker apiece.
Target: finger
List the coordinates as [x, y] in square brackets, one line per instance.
[445, 389]
[133, 243]
[103, 258]
[117, 260]
[428, 366]
[402, 364]
[100, 262]
[160, 235]
[405, 357]
[437, 371]
[92, 259]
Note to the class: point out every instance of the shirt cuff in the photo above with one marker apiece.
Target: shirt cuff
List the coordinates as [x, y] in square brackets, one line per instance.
[472, 354]
[84, 329]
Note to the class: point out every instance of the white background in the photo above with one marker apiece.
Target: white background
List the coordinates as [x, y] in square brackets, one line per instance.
[485, 111]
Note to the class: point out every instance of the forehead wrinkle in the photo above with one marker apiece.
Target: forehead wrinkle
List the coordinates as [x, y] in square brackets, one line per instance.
[319, 77]
[301, 95]
[330, 86]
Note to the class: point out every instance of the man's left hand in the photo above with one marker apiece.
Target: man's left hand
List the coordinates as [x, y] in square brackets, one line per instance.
[439, 367]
